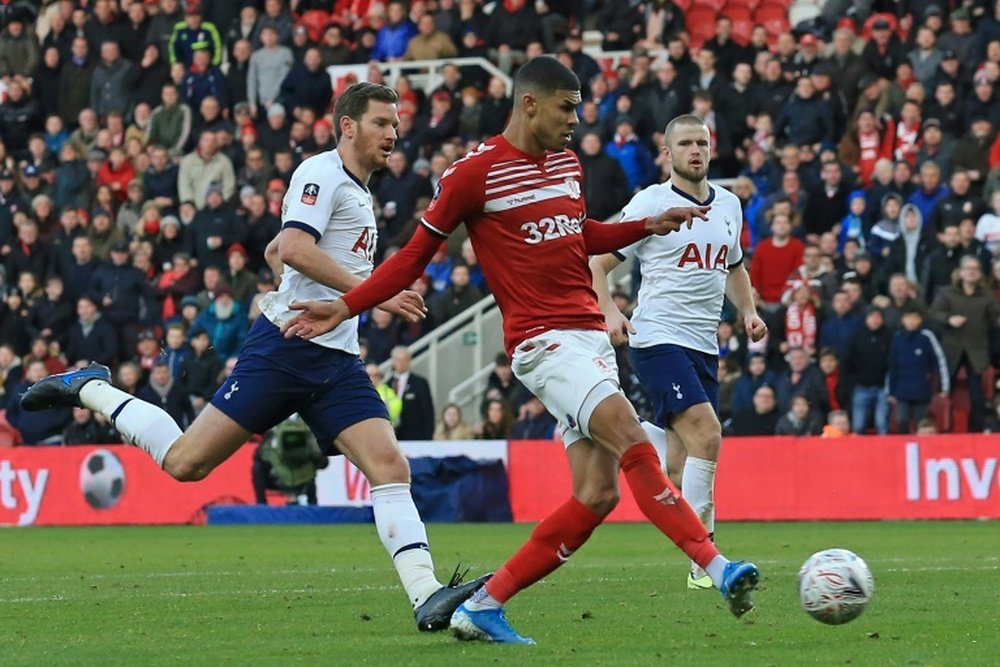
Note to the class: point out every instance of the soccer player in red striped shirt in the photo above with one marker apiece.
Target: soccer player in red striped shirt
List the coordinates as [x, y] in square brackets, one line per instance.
[519, 195]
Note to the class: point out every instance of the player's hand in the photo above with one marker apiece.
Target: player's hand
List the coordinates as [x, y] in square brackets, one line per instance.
[755, 327]
[407, 304]
[673, 219]
[316, 318]
[619, 327]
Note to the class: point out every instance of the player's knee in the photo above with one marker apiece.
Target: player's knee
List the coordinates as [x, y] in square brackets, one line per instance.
[185, 469]
[387, 468]
[600, 499]
[707, 446]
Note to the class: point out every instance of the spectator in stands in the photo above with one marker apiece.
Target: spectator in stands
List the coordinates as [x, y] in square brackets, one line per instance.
[333, 49]
[916, 364]
[397, 191]
[429, 43]
[200, 371]
[930, 192]
[307, 85]
[193, 34]
[392, 38]
[226, 321]
[761, 419]
[774, 260]
[605, 186]
[91, 338]
[14, 313]
[534, 422]
[111, 81]
[36, 428]
[497, 423]
[633, 157]
[458, 296]
[50, 318]
[82, 429]
[958, 204]
[162, 390]
[452, 425]
[973, 150]
[805, 118]
[513, 25]
[941, 263]
[827, 203]
[170, 123]
[867, 364]
[967, 311]
[18, 49]
[799, 420]
[19, 116]
[802, 377]
[417, 419]
[908, 253]
[203, 80]
[268, 67]
[202, 168]
[747, 385]
[393, 403]
[214, 229]
[124, 295]
[838, 425]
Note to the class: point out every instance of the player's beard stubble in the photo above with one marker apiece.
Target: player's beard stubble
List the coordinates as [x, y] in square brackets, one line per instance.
[696, 175]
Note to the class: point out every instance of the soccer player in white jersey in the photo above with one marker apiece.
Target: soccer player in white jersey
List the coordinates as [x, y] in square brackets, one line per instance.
[327, 245]
[672, 335]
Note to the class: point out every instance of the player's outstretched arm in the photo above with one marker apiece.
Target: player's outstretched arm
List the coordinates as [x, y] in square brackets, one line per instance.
[605, 237]
[618, 325]
[740, 293]
[390, 278]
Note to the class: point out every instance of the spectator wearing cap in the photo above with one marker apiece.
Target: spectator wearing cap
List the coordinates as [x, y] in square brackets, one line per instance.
[163, 390]
[112, 80]
[240, 280]
[268, 67]
[203, 80]
[307, 85]
[32, 184]
[936, 147]
[883, 53]
[225, 321]
[429, 43]
[92, 337]
[194, 33]
[124, 295]
[170, 123]
[203, 167]
[951, 69]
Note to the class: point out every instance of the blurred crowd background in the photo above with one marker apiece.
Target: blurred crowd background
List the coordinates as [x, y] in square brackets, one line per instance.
[145, 147]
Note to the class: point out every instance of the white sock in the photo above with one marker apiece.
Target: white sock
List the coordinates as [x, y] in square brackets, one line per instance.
[715, 569]
[698, 482]
[142, 424]
[658, 438]
[405, 538]
[481, 601]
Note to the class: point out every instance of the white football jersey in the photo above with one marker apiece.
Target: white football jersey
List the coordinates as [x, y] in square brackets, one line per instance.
[683, 273]
[327, 201]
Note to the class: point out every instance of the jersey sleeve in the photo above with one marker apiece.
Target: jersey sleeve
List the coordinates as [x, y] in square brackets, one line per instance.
[309, 202]
[638, 208]
[735, 255]
[458, 197]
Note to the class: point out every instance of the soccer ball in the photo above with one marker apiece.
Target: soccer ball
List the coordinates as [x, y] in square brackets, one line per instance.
[102, 479]
[835, 586]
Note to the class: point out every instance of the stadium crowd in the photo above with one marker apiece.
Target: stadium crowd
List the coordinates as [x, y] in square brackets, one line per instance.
[145, 147]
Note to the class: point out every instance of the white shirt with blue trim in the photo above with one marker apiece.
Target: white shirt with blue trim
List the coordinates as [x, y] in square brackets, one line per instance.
[325, 200]
[683, 273]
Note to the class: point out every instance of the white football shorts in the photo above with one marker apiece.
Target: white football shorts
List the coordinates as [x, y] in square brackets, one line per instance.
[571, 372]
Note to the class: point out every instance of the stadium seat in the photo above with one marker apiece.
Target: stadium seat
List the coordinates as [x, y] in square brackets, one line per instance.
[315, 21]
[742, 17]
[700, 20]
[803, 10]
[773, 16]
[716, 5]
[940, 412]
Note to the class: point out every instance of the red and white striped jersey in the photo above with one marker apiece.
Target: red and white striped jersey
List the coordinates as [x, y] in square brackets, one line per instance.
[524, 214]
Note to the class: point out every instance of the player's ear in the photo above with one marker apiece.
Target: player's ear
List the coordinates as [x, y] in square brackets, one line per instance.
[347, 127]
[529, 101]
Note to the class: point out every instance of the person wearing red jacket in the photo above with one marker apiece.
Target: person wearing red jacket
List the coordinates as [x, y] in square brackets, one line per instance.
[116, 173]
[774, 260]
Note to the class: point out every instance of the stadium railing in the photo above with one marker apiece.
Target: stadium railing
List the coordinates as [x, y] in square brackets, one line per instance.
[426, 74]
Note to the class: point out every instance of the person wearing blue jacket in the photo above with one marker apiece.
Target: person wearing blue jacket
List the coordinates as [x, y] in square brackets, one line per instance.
[635, 159]
[930, 192]
[393, 38]
[756, 376]
[224, 321]
[915, 356]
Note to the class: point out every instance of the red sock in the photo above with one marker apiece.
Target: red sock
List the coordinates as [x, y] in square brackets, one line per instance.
[663, 505]
[550, 545]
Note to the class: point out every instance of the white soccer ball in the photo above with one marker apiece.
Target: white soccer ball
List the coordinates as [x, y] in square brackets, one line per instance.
[102, 479]
[835, 586]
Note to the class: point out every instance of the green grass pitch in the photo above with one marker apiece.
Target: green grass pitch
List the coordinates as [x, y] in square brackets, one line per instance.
[327, 595]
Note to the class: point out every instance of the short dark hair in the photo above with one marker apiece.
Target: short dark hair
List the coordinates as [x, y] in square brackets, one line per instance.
[544, 75]
[353, 102]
